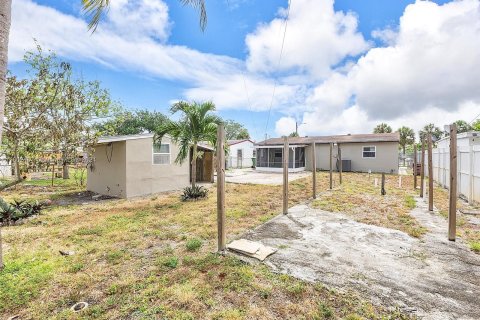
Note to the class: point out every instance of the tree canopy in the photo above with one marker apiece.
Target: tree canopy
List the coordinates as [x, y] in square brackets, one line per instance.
[463, 126]
[132, 122]
[476, 125]
[382, 128]
[235, 131]
[436, 132]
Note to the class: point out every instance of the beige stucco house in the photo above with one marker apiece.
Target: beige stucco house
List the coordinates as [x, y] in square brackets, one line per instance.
[359, 152]
[133, 165]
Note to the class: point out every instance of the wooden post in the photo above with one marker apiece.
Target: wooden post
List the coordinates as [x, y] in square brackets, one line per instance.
[383, 184]
[452, 209]
[221, 187]
[340, 162]
[314, 169]
[430, 173]
[286, 154]
[422, 170]
[331, 165]
[414, 166]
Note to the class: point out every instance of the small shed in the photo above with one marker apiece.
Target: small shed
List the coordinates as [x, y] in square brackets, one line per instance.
[134, 165]
[241, 153]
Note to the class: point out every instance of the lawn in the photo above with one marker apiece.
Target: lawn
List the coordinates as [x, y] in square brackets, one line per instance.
[151, 258]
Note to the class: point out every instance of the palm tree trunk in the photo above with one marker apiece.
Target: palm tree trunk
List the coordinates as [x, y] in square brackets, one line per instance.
[5, 16]
[194, 165]
[66, 173]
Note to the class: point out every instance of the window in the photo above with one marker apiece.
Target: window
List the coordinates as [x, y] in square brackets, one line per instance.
[161, 153]
[369, 152]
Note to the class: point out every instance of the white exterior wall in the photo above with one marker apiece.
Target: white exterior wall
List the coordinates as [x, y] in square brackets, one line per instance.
[247, 148]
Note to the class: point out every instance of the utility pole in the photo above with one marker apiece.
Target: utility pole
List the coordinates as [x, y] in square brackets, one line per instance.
[430, 173]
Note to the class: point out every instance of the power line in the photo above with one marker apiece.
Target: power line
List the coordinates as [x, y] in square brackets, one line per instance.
[279, 60]
[478, 115]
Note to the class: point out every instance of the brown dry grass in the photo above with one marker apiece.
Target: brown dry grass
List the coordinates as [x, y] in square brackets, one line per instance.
[465, 229]
[359, 198]
[131, 261]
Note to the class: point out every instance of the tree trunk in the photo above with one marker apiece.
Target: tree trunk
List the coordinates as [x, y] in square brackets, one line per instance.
[66, 173]
[16, 161]
[194, 165]
[404, 155]
[5, 16]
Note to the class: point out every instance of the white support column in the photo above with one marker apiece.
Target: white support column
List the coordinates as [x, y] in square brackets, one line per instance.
[471, 176]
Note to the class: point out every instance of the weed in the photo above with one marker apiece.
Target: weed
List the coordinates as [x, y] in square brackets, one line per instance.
[193, 244]
[475, 246]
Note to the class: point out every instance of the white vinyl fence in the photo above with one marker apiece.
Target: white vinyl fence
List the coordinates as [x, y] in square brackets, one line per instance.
[468, 167]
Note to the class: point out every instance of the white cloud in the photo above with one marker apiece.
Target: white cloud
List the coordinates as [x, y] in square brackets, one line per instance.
[427, 72]
[317, 38]
[68, 36]
[284, 126]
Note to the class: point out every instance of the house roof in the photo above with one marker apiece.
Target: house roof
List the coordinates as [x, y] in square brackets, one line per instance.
[108, 139]
[232, 142]
[348, 138]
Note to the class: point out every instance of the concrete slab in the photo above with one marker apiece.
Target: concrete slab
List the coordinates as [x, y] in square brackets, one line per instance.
[430, 277]
[250, 176]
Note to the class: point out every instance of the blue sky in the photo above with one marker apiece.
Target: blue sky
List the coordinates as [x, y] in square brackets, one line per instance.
[310, 91]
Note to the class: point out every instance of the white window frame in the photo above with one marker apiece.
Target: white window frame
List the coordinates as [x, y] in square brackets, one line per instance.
[363, 152]
[169, 155]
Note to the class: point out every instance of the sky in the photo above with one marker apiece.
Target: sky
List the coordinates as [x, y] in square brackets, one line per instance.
[332, 67]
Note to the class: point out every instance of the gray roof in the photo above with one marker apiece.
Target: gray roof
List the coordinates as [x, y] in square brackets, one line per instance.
[232, 142]
[348, 138]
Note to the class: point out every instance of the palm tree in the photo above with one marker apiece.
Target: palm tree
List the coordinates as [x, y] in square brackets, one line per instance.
[95, 9]
[382, 128]
[197, 124]
[5, 16]
[407, 137]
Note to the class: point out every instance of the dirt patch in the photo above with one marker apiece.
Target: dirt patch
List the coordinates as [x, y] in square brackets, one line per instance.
[429, 277]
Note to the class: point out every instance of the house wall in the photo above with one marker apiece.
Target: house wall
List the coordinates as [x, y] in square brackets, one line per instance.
[247, 147]
[108, 177]
[386, 159]
[144, 177]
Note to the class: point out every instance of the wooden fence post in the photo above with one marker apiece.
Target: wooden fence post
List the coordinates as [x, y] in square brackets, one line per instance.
[430, 173]
[221, 187]
[383, 184]
[286, 155]
[472, 177]
[452, 209]
[422, 169]
[331, 165]
[414, 166]
[340, 162]
[314, 169]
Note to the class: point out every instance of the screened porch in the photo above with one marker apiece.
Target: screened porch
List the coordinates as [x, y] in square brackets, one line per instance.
[270, 158]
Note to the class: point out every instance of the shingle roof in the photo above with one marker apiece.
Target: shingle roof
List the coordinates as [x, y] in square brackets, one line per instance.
[348, 138]
[232, 142]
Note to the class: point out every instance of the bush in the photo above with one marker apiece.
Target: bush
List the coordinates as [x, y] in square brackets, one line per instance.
[194, 193]
[18, 209]
[194, 244]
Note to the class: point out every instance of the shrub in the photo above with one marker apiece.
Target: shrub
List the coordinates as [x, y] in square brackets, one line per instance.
[18, 209]
[194, 244]
[194, 193]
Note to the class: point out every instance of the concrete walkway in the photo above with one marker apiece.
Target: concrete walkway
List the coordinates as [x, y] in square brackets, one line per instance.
[244, 176]
[429, 277]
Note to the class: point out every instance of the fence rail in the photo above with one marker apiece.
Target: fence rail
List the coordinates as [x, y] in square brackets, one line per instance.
[468, 175]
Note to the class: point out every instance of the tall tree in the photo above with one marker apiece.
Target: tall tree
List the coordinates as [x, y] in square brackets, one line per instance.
[476, 125]
[431, 128]
[382, 128]
[197, 123]
[235, 130]
[407, 137]
[132, 122]
[463, 126]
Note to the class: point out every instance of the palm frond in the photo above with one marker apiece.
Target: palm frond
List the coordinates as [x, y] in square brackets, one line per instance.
[202, 10]
[94, 9]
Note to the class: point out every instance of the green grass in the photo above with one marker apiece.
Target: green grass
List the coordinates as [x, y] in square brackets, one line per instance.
[148, 258]
[475, 246]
